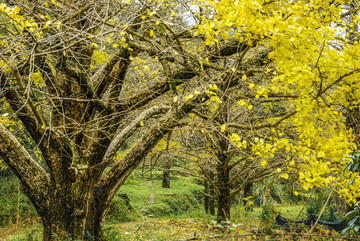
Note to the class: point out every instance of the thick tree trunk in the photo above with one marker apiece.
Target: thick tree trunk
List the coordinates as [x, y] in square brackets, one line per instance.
[99, 208]
[166, 174]
[62, 221]
[95, 223]
[223, 205]
[223, 211]
[65, 210]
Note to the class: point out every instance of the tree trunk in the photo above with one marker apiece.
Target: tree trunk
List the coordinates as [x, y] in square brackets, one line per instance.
[63, 218]
[206, 199]
[99, 208]
[247, 193]
[223, 208]
[212, 202]
[223, 205]
[166, 174]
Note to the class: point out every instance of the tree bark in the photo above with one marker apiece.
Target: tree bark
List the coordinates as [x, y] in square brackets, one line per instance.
[212, 202]
[206, 199]
[209, 202]
[166, 174]
[223, 205]
[65, 212]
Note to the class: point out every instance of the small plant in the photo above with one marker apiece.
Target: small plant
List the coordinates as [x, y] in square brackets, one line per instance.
[330, 214]
[313, 208]
[31, 236]
[268, 215]
[111, 234]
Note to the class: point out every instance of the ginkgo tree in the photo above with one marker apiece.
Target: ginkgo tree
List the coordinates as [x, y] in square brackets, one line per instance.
[84, 77]
[315, 57]
[309, 74]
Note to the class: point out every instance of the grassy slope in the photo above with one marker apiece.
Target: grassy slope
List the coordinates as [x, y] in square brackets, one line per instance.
[157, 213]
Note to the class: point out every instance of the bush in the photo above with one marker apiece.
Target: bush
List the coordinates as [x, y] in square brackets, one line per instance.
[159, 210]
[330, 214]
[120, 211]
[268, 215]
[313, 208]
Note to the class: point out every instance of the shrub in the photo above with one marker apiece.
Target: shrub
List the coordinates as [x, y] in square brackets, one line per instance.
[159, 209]
[313, 208]
[120, 211]
[268, 215]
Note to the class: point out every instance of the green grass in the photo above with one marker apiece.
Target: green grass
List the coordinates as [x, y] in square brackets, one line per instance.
[148, 197]
[156, 213]
[13, 205]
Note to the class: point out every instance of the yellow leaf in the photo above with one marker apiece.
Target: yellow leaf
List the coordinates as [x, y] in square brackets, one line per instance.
[151, 33]
[216, 99]
[189, 97]
[241, 102]
[141, 123]
[223, 128]
[285, 175]
[264, 163]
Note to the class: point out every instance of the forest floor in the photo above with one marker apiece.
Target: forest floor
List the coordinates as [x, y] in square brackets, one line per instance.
[158, 229]
[152, 213]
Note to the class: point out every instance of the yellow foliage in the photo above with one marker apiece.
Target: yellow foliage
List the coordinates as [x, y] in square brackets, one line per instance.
[302, 35]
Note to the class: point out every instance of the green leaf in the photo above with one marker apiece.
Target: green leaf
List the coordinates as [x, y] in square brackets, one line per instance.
[349, 166]
[352, 222]
[355, 168]
[350, 215]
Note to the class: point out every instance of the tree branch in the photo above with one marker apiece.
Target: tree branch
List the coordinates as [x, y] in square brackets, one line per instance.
[31, 174]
